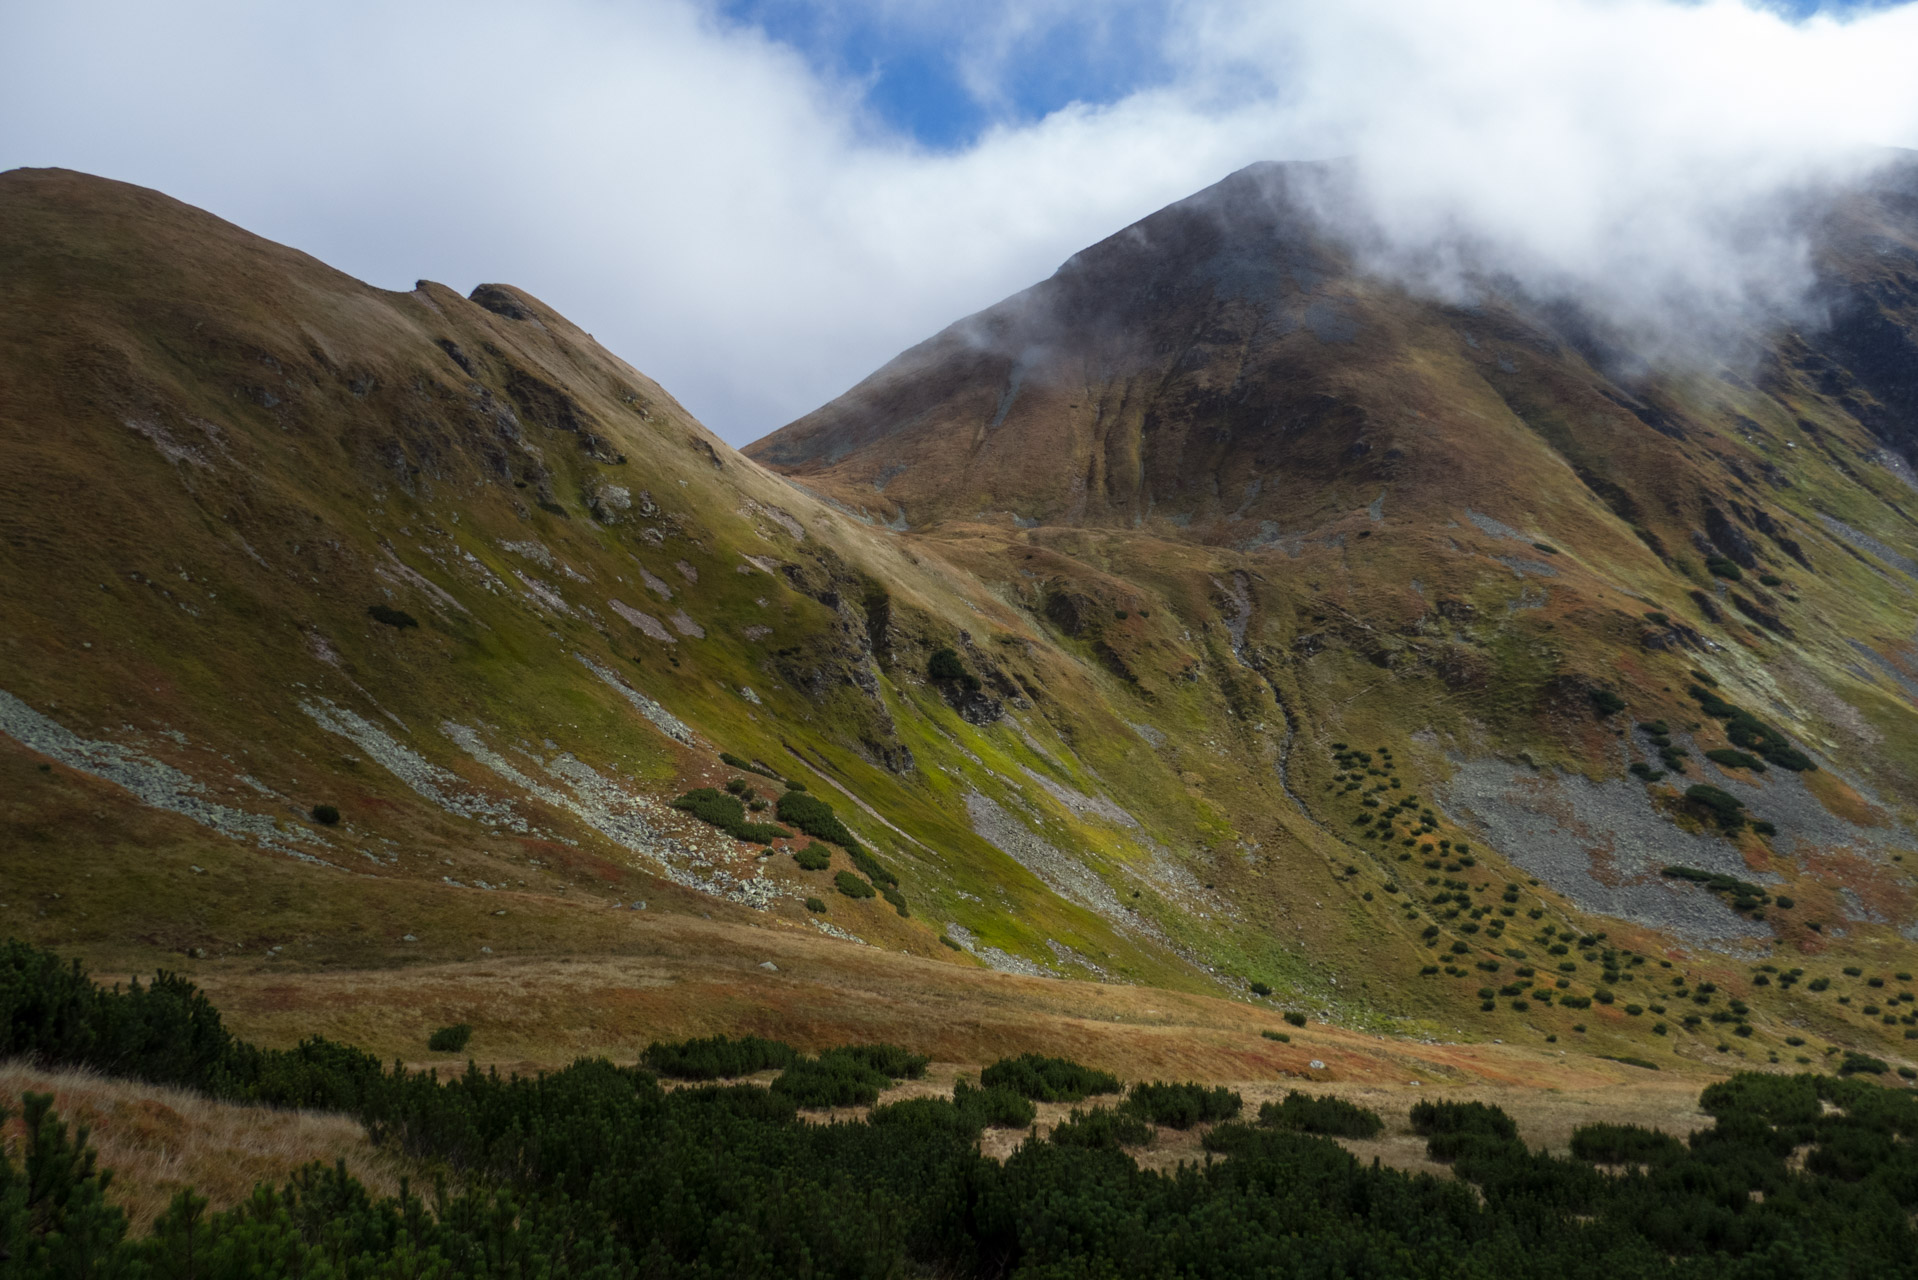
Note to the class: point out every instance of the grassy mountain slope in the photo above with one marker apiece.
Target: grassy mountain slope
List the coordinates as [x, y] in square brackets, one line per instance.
[1212, 452]
[278, 541]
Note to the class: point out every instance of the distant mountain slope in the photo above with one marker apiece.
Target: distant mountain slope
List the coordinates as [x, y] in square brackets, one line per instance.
[1307, 672]
[1224, 369]
[1476, 529]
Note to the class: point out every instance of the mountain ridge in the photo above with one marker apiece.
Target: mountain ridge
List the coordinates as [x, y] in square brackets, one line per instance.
[279, 542]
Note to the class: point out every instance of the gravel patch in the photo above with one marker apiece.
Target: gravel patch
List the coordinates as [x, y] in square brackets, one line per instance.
[668, 723]
[428, 780]
[1804, 825]
[1496, 528]
[621, 816]
[1865, 542]
[1601, 844]
[1064, 875]
[534, 551]
[1069, 958]
[1884, 665]
[1080, 803]
[412, 577]
[1521, 567]
[541, 594]
[149, 781]
[1154, 738]
[834, 931]
[646, 622]
[1003, 961]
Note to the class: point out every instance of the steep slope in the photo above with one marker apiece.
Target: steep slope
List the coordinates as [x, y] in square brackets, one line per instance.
[277, 540]
[1472, 545]
[282, 546]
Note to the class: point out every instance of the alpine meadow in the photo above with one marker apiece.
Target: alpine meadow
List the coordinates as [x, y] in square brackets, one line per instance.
[1236, 760]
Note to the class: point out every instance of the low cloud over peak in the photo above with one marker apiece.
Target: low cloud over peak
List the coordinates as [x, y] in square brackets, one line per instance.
[734, 217]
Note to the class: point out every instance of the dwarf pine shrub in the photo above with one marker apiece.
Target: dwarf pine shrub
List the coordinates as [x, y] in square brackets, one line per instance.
[1332, 1117]
[852, 886]
[1043, 1079]
[1101, 1128]
[1180, 1106]
[451, 1039]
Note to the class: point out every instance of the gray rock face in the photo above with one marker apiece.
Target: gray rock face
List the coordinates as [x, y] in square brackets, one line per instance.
[1601, 844]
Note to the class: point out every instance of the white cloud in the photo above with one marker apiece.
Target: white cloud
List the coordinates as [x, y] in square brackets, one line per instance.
[736, 227]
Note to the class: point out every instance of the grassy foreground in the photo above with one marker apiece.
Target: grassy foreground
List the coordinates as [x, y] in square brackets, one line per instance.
[665, 1169]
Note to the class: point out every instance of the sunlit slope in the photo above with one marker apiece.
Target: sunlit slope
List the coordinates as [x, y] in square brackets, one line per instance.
[1486, 546]
[221, 454]
[234, 476]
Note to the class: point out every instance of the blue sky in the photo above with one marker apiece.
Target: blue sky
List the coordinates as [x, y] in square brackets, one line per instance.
[944, 74]
[925, 73]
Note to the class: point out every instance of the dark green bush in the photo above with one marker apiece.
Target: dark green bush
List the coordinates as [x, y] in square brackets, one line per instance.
[929, 1119]
[872, 868]
[852, 886]
[896, 898]
[1720, 567]
[814, 857]
[1607, 703]
[887, 1059]
[1748, 731]
[717, 1058]
[1101, 1128]
[1732, 758]
[451, 1039]
[994, 1108]
[1180, 1106]
[816, 905]
[1332, 1117]
[1745, 895]
[833, 1079]
[596, 1171]
[739, 762]
[1625, 1144]
[1429, 1118]
[1043, 1079]
[1295, 1018]
[392, 617]
[717, 809]
[1856, 1063]
[1727, 809]
[163, 1032]
[816, 818]
[1283, 1038]
[326, 815]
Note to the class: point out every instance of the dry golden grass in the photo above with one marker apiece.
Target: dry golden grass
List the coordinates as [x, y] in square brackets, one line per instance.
[678, 976]
[1546, 1117]
[157, 1141]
